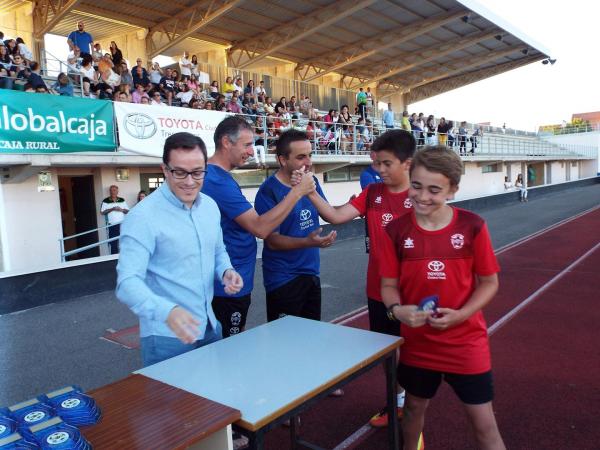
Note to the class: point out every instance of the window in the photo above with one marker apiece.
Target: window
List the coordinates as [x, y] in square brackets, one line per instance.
[491, 168]
[250, 178]
[355, 172]
[150, 181]
[337, 175]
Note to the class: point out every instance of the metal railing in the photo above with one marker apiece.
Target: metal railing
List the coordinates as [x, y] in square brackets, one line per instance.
[567, 129]
[64, 254]
[52, 66]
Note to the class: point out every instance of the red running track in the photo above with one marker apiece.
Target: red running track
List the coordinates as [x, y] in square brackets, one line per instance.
[546, 359]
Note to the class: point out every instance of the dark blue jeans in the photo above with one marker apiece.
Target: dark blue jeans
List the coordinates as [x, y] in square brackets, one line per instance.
[158, 348]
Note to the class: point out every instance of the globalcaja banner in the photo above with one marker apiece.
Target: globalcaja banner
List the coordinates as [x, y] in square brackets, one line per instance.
[144, 128]
[44, 123]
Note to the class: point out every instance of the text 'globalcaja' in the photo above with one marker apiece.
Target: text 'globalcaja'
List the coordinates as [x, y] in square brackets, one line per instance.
[58, 123]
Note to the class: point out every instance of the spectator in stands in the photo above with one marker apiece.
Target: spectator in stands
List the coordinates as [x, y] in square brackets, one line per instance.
[195, 103]
[431, 129]
[194, 66]
[6, 63]
[269, 106]
[63, 85]
[417, 126]
[156, 73]
[388, 117]
[520, 185]
[156, 99]
[305, 104]
[145, 100]
[234, 105]
[280, 108]
[122, 97]
[462, 138]
[186, 95]
[139, 75]
[167, 86]
[214, 89]
[451, 134]
[32, 74]
[507, 184]
[193, 84]
[139, 93]
[74, 60]
[328, 119]
[476, 134]
[108, 77]
[370, 100]
[176, 77]
[238, 87]
[11, 46]
[114, 209]
[126, 77]
[24, 50]
[344, 117]
[220, 103]
[292, 105]
[89, 75]
[363, 136]
[96, 54]
[248, 104]
[115, 54]
[442, 130]
[209, 105]
[80, 38]
[405, 122]
[185, 65]
[249, 89]
[361, 103]
[261, 93]
[228, 87]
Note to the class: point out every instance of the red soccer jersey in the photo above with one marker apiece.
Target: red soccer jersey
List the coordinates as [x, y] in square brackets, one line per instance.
[380, 206]
[443, 263]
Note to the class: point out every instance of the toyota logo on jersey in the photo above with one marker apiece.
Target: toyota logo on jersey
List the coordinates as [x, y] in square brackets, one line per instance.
[386, 218]
[436, 270]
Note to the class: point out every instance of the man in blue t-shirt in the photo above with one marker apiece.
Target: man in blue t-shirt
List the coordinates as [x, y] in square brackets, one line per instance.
[368, 176]
[234, 139]
[81, 39]
[291, 260]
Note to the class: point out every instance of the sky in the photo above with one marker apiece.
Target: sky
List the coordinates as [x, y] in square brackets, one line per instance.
[533, 95]
[536, 94]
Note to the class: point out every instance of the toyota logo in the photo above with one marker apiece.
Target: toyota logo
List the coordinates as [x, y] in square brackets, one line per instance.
[387, 217]
[139, 126]
[436, 266]
[305, 214]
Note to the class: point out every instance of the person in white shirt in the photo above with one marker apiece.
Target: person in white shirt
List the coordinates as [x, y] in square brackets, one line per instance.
[114, 209]
[186, 67]
[155, 74]
[186, 95]
[261, 93]
[156, 99]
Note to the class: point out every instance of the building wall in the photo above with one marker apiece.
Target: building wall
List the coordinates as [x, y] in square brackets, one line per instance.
[591, 139]
[31, 224]
[18, 23]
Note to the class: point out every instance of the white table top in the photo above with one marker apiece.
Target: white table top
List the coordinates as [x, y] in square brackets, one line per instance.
[270, 369]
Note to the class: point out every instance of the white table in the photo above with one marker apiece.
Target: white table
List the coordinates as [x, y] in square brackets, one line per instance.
[272, 372]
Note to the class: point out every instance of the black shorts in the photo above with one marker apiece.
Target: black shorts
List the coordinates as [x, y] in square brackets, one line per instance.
[470, 389]
[232, 313]
[378, 320]
[299, 297]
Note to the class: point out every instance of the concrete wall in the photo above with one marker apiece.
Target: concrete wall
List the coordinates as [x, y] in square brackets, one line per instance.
[31, 224]
[18, 23]
[590, 139]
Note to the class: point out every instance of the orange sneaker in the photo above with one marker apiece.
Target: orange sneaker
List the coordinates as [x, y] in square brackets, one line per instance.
[380, 420]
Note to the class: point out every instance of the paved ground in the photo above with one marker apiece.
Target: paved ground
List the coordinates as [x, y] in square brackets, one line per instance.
[59, 344]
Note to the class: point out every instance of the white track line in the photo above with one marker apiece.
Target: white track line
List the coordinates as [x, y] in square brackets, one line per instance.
[513, 312]
[366, 429]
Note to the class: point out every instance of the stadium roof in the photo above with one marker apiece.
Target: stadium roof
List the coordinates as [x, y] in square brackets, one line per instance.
[420, 47]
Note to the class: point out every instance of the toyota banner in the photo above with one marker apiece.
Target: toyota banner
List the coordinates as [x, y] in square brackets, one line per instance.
[143, 128]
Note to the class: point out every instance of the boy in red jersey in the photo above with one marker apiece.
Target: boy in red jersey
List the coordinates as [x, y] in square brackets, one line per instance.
[380, 203]
[446, 252]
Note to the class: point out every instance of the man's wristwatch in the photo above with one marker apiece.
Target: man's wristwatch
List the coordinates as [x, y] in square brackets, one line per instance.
[390, 312]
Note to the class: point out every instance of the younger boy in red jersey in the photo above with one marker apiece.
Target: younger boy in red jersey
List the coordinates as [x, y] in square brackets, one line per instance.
[442, 251]
[380, 203]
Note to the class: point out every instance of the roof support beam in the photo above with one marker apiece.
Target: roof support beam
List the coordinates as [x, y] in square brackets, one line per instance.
[438, 87]
[259, 47]
[41, 12]
[187, 22]
[411, 60]
[327, 63]
[442, 72]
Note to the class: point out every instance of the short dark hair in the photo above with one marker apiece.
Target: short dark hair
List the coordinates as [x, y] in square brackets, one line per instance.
[287, 137]
[185, 141]
[439, 159]
[399, 142]
[230, 126]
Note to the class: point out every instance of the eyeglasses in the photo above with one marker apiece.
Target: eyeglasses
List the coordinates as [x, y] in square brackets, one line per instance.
[181, 174]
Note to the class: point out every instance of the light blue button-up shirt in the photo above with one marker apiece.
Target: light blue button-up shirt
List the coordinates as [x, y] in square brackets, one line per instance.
[388, 118]
[170, 255]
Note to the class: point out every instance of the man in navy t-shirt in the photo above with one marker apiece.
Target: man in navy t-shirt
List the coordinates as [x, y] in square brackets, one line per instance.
[234, 139]
[291, 253]
[81, 39]
[369, 175]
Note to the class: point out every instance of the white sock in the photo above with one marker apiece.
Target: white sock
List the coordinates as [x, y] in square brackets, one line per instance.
[400, 400]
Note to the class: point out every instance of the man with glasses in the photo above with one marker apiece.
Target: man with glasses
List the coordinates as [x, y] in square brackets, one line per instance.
[156, 99]
[167, 267]
[234, 143]
[82, 39]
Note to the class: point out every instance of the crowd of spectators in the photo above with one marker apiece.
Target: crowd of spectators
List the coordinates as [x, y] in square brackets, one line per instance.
[107, 75]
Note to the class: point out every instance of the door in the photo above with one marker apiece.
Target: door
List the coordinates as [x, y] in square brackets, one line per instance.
[84, 212]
